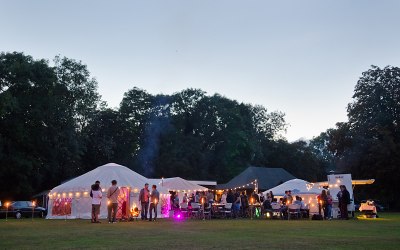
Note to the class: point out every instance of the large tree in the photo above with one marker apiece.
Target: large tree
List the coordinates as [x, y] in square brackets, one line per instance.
[368, 145]
[42, 112]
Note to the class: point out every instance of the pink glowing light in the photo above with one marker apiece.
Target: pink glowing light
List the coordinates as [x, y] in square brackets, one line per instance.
[178, 216]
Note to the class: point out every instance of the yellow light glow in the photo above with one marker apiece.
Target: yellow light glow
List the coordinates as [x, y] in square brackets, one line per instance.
[33, 203]
[70, 194]
[103, 190]
[64, 194]
[77, 194]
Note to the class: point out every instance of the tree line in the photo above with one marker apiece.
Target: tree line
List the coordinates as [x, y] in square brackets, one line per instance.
[368, 145]
[54, 126]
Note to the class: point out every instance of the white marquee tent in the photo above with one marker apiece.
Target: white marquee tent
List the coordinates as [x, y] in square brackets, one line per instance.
[297, 186]
[179, 184]
[306, 190]
[72, 200]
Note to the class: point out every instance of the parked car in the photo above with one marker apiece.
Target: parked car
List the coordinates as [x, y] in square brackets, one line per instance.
[20, 209]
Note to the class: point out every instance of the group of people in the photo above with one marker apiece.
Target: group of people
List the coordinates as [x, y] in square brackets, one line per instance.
[240, 201]
[284, 204]
[205, 197]
[146, 198]
[97, 195]
[325, 202]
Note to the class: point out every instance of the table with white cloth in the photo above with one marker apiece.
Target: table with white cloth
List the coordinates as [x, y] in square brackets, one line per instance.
[218, 210]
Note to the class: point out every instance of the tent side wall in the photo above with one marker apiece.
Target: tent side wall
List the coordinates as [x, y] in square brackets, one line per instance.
[80, 207]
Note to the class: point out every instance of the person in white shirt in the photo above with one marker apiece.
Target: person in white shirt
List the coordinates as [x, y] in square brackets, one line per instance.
[223, 198]
[97, 195]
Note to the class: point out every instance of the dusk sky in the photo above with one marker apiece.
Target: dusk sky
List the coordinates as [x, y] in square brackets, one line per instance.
[299, 57]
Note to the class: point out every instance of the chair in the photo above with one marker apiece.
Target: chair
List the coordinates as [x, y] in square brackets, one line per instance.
[207, 211]
[184, 209]
[195, 211]
[228, 210]
[294, 211]
[276, 210]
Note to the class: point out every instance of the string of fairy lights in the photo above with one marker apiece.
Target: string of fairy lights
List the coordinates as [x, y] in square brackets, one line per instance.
[254, 183]
[84, 194]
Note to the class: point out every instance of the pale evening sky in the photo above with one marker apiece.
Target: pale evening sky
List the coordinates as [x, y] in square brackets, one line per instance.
[299, 57]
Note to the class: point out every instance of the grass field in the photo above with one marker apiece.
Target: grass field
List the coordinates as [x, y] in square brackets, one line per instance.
[381, 233]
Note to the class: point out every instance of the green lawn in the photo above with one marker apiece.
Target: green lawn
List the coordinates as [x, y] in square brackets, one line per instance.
[382, 233]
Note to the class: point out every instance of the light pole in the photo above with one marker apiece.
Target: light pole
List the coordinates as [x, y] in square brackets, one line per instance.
[251, 208]
[65, 210]
[33, 208]
[7, 204]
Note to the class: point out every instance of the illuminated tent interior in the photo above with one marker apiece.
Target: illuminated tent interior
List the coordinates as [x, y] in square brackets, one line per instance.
[72, 199]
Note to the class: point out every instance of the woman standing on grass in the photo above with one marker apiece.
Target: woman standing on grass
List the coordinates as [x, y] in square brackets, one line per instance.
[96, 202]
[329, 204]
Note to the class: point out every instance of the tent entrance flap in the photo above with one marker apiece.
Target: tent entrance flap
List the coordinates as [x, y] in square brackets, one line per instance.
[123, 204]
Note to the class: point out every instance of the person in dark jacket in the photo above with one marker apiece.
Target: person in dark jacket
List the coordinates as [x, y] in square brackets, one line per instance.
[344, 200]
[230, 197]
[154, 199]
[144, 198]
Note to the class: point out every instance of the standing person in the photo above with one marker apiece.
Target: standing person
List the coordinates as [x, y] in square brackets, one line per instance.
[324, 203]
[289, 198]
[112, 195]
[96, 195]
[236, 204]
[344, 199]
[185, 198]
[244, 203]
[262, 198]
[271, 196]
[210, 197]
[329, 202]
[176, 201]
[91, 188]
[223, 198]
[171, 200]
[230, 197]
[154, 199]
[144, 200]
